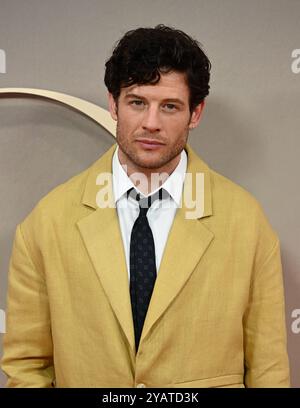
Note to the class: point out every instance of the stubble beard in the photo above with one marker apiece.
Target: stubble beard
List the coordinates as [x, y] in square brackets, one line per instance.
[132, 155]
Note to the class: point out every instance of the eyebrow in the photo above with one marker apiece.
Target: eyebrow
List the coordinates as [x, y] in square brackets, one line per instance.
[166, 100]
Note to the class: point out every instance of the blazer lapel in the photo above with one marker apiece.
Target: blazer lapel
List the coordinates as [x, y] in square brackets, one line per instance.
[187, 242]
[101, 234]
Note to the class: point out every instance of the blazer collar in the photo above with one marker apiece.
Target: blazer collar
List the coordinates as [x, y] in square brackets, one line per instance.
[101, 236]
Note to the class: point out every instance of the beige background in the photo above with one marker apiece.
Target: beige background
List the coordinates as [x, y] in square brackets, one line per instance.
[249, 130]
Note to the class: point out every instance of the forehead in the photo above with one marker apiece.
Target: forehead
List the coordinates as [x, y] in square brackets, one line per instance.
[171, 85]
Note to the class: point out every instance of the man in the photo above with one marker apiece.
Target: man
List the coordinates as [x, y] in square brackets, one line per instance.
[159, 289]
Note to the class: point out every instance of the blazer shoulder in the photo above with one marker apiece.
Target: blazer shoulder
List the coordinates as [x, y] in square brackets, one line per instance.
[67, 192]
[232, 194]
[241, 205]
[68, 195]
[241, 211]
[58, 202]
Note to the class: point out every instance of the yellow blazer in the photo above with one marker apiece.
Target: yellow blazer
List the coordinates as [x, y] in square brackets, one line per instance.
[216, 316]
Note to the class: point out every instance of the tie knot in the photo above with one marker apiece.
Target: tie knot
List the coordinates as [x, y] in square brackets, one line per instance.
[146, 202]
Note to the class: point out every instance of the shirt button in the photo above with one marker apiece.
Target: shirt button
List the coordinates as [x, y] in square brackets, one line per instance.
[141, 385]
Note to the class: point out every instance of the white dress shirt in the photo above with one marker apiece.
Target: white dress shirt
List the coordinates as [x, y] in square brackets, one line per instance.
[161, 213]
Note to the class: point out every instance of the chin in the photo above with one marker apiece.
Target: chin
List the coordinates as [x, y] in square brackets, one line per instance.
[150, 164]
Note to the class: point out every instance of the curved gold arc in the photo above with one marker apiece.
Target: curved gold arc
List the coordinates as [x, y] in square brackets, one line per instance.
[94, 112]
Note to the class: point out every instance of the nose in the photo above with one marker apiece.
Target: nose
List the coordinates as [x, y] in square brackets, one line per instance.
[151, 120]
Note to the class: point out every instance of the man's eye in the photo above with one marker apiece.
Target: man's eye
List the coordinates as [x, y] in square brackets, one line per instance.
[170, 107]
[136, 102]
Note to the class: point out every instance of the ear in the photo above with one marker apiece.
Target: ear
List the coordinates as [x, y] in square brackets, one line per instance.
[112, 106]
[196, 115]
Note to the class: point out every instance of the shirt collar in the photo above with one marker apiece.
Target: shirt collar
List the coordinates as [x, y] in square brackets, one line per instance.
[173, 184]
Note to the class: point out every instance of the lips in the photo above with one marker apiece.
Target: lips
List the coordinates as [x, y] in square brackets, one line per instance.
[150, 142]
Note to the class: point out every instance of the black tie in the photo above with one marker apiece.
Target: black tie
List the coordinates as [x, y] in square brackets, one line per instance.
[142, 262]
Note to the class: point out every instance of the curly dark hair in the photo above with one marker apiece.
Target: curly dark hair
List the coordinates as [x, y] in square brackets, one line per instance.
[142, 54]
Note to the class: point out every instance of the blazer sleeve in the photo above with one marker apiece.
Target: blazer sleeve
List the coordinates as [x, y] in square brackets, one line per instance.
[27, 345]
[265, 344]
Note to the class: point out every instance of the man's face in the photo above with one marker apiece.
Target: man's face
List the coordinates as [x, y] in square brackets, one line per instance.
[158, 114]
